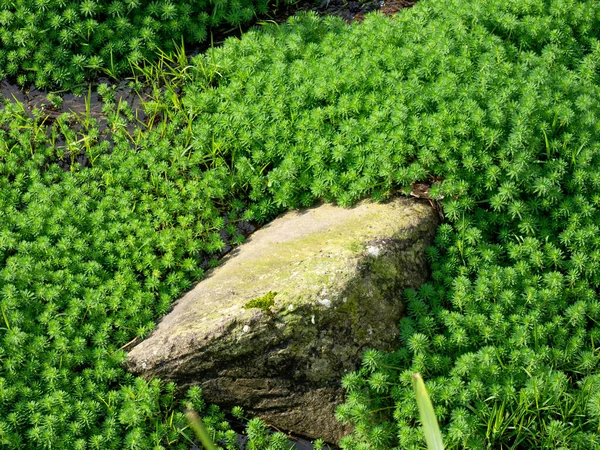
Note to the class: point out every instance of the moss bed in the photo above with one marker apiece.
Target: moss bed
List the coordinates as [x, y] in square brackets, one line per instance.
[494, 103]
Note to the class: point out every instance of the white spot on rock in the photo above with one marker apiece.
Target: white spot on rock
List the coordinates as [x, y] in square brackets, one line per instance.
[373, 251]
[246, 328]
[325, 302]
[291, 307]
[143, 365]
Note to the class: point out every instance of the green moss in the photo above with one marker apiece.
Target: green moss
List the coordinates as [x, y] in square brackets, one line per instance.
[384, 268]
[263, 302]
[355, 246]
[350, 307]
[484, 98]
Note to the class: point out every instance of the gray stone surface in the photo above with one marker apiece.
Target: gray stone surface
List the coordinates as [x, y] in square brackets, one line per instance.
[338, 276]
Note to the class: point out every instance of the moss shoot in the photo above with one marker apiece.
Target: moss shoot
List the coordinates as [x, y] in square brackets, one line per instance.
[264, 302]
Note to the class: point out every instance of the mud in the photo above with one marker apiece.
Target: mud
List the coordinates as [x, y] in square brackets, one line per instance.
[349, 10]
[91, 104]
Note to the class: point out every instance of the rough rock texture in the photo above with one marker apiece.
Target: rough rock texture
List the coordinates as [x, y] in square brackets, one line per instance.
[338, 276]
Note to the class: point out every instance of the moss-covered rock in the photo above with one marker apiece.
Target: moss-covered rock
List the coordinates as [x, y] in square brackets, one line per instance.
[327, 284]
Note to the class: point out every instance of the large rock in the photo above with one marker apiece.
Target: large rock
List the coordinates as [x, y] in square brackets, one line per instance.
[334, 278]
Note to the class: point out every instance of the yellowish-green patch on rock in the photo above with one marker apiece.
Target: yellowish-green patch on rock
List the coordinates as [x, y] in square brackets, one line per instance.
[282, 319]
[264, 302]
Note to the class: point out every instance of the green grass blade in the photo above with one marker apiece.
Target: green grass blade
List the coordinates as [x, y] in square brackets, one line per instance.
[198, 426]
[433, 435]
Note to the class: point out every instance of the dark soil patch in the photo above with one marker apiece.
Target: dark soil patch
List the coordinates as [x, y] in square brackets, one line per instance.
[33, 98]
[80, 107]
[349, 10]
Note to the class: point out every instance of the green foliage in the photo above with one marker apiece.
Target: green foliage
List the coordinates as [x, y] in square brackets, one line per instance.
[263, 302]
[89, 258]
[495, 100]
[260, 437]
[58, 43]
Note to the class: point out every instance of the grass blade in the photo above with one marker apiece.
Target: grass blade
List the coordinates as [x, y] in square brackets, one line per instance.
[433, 435]
[198, 426]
